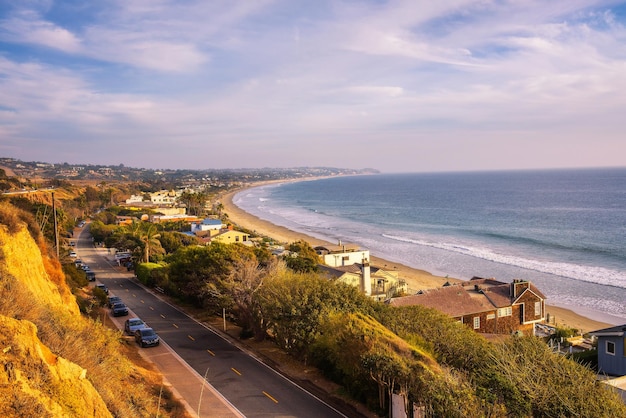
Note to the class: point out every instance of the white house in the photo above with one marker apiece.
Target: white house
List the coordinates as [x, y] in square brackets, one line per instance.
[135, 198]
[342, 254]
[207, 225]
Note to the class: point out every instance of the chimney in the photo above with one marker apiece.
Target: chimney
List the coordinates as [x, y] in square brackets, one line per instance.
[518, 286]
[366, 279]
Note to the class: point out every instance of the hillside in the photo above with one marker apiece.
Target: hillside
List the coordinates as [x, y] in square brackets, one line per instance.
[55, 361]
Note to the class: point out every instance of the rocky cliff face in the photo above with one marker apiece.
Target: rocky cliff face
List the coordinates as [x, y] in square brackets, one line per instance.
[33, 380]
[23, 265]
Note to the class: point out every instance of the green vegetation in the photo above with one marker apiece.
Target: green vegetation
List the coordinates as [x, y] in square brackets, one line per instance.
[304, 259]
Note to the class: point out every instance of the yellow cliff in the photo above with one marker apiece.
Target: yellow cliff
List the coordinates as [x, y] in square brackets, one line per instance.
[54, 361]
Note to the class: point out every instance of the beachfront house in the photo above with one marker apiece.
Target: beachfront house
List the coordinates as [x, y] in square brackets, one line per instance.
[341, 254]
[379, 284]
[611, 350]
[485, 305]
[207, 224]
[230, 236]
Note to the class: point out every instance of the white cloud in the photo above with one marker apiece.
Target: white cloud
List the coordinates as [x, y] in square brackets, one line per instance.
[39, 32]
[267, 75]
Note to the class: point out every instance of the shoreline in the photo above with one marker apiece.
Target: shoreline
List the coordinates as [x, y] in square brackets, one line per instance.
[416, 278]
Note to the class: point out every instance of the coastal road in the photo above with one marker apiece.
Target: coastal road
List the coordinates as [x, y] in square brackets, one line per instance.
[249, 385]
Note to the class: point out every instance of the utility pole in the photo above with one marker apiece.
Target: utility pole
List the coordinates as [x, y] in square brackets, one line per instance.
[56, 229]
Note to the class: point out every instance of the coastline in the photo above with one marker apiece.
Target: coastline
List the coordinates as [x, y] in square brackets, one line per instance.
[416, 278]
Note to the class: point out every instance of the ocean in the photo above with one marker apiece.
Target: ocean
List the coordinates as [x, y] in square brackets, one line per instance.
[565, 230]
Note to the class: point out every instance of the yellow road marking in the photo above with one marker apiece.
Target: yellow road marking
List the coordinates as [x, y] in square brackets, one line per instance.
[142, 301]
[191, 338]
[151, 308]
[270, 396]
[162, 316]
[175, 326]
[235, 370]
[211, 353]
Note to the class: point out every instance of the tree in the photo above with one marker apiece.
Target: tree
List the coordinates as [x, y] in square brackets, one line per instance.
[196, 272]
[194, 202]
[244, 281]
[293, 305]
[303, 258]
[150, 239]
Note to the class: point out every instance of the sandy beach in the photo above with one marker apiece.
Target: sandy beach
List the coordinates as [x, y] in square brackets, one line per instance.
[415, 278]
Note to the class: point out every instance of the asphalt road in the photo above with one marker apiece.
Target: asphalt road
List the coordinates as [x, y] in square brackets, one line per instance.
[250, 386]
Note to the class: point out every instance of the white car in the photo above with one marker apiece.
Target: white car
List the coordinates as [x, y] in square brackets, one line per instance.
[133, 324]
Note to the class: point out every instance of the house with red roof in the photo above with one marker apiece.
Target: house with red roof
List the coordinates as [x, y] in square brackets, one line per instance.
[485, 305]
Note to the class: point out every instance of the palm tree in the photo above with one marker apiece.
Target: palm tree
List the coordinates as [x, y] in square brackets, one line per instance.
[151, 243]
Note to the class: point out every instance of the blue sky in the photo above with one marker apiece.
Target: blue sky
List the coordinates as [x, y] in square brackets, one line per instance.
[401, 86]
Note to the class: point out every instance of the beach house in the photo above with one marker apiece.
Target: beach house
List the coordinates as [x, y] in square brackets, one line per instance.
[611, 350]
[207, 224]
[342, 254]
[485, 305]
[230, 236]
[375, 282]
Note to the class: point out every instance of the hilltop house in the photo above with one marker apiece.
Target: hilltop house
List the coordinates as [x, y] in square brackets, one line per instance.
[341, 254]
[375, 282]
[230, 236]
[209, 231]
[207, 224]
[485, 305]
[612, 350]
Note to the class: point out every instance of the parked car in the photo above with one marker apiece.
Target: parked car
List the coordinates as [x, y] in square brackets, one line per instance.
[133, 324]
[146, 337]
[112, 300]
[91, 276]
[119, 309]
[85, 267]
[73, 254]
[103, 288]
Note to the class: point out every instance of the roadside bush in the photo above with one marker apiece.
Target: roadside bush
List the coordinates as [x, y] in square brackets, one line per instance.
[100, 296]
[74, 277]
[150, 274]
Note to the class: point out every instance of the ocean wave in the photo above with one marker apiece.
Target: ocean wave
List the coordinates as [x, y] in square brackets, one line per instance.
[598, 275]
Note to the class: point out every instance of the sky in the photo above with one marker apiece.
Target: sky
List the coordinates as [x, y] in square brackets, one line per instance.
[400, 86]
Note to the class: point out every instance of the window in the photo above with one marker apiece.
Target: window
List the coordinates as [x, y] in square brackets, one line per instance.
[476, 322]
[508, 311]
[491, 316]
[537, 308]
[610, 348]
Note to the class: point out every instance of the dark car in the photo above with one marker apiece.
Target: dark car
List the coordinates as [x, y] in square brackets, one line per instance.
[146, 337]
[119, 309]
[91, 276]
[133, 324]
[112, 300]
[103, 288]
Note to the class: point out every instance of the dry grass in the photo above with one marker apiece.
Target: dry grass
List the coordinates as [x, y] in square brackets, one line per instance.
[30, 286]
